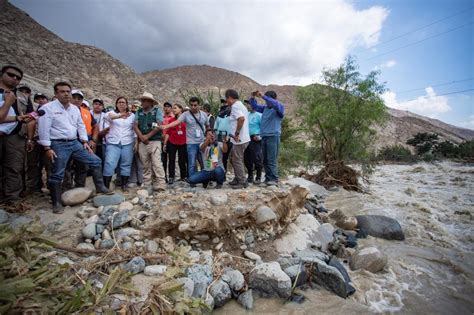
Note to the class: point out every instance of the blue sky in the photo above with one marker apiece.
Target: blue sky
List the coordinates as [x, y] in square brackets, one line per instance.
[288, 42]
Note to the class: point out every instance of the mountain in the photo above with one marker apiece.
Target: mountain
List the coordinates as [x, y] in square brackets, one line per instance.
[46, 58]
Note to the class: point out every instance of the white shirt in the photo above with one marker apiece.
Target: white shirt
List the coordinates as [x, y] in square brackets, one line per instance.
[59, 123]
[121, 129]
[8, 127]
[239, 110]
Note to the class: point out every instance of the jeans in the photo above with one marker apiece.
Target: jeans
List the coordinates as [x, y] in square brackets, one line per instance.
[270, 147]
[116, 153]
[193, 152]
[182, 159]
[66, 150]
[205, 177]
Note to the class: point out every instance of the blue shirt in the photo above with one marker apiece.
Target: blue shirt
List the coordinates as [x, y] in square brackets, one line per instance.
[272, 115]
[223, 124]
[255, 120]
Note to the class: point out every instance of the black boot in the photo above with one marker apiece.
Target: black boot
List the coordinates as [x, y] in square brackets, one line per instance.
[55, 190]
[99, 181]
[258, 179]
[107, 180]
[124, 182]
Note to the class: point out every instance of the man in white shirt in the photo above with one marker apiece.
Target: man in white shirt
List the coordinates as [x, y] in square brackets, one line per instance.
[58, 132]
[240, 129]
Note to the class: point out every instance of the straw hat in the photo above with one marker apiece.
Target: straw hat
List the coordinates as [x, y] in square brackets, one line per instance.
[148, 96]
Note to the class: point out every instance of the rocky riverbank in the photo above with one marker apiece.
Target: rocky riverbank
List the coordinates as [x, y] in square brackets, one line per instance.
[196, 249]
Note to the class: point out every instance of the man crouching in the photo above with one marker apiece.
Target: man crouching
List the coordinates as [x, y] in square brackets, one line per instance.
[61, 132]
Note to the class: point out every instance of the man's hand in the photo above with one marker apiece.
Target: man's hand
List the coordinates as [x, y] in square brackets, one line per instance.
[259, 94]
[30, 145]
[224, 139]
[237, 138]
[92, 144]
[25, 118]
[144, 139]
[125, 115]
[51, 155]
[135, 147]
[87, 147]
[165, 145]
[10, 97]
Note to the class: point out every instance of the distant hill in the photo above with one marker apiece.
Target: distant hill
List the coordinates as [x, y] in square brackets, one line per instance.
[46, 59]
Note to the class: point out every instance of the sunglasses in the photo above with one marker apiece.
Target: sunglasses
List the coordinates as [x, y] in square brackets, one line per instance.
[12, 75]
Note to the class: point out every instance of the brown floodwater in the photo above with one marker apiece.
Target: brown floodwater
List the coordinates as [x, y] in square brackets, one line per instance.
[431, 272]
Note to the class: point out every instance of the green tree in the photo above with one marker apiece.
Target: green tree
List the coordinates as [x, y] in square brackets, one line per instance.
[339, 116]
[423, 142]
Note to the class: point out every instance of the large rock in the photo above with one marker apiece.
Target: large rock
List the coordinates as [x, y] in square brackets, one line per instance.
[89, 231]
[126, 206]
[219, 199]
[234, 278]
[188, 285]
[107, 200]
[120, 219]
[107, 244]
[155, 270]
[221, 293]
[330, 278]
[4, 216]
[380, 226]
[325, 235]
[270, 281]
[312, 187]
[264, 214]
[299, 235]
[347, 223]
[246, 299]
[124, 232]
[136, 265]
[76, 196]
[369, 258]
[297, 273]
[202, 278]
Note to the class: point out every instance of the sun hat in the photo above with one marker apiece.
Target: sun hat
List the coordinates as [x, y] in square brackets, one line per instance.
[148, 96]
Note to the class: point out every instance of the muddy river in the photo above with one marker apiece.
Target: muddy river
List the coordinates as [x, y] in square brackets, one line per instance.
[432, 271]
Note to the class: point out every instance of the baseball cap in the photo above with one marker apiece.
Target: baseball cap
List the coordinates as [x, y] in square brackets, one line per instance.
[38, 95]
[167, 104]
[23, 86]
[98, 100]
[84, 102]
[78, 92]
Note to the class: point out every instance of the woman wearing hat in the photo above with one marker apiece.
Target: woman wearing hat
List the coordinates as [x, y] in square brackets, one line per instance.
[120, 142]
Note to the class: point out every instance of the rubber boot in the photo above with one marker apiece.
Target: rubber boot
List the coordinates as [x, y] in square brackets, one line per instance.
[99, 181]
[55, 190]
[124, 183]
[107, 180]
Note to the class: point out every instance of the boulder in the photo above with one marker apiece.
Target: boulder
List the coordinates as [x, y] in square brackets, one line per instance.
[89, 231]
[325, 235]
[136, 265]
[330, 278]
[297, 271]
[347, 223]
[334, 262]
[312, 187]
[151, 247]
[107, 200]
[234, 278]
[17, 222]
[218, 200]
[125, 206]
[252, 256]
[299, 235]
[155, 270]
[92, 219]
[221, 293]
[246, 299]
[201, 275]
[270, 281]
[380, 226]
[264, 214]
[188, 285]
[124, 232]
[4, 216]
[120, 219]
[107, 244]
[76, 196]
[369, 258]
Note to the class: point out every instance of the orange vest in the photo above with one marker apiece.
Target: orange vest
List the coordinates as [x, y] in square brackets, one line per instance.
[87, 120]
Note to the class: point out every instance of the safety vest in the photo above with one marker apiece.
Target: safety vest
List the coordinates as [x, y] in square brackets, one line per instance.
[87, 120]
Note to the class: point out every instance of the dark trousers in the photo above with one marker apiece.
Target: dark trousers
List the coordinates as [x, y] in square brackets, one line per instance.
[70, 150]
[253, 159]
[182, 160]
[225, 156]
[12, 160]
[164, 160]
[35, 162]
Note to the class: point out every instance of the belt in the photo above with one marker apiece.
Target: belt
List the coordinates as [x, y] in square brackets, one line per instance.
[63, 140]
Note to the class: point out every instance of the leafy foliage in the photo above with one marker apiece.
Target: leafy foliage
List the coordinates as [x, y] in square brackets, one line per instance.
[423, 142]
[293, 152]
[396, 153]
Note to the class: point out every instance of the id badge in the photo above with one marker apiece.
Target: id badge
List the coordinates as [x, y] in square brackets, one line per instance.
[198, 133]
[180, 133]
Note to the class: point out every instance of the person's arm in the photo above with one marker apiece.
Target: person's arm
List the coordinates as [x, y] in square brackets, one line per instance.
[10, 98]
[30, 133]
[204, 145]
[240, 124]
[174, 123]
[276, 105]
[224, 144]
[255, 106]
[44, 128]
[139, 133]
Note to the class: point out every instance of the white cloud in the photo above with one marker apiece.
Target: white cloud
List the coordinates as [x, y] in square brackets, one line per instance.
[271, 41]
[388, 64]
[469, 123]
[429, 105]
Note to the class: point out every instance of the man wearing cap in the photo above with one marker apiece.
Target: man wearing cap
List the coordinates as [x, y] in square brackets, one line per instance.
[99, 116]
[147, 127]
[35, 155]
[58, 132]
[167, 117]
[12, 144]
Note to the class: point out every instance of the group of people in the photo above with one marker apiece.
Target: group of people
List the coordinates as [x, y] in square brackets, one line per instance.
[137, 142]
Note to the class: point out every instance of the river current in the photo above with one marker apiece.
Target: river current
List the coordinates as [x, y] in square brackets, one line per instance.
[432, 271]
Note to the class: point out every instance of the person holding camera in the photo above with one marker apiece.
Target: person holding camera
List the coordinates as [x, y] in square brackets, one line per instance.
[212, 151]
[270, 130]
[120, 142]
[222, 128]
[148, 120]
[253, 156]
[175, 141]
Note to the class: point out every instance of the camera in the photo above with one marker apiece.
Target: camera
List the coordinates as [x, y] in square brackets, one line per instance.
[220, 135]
